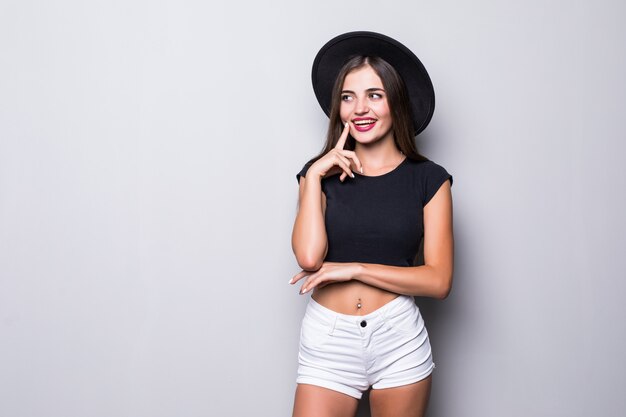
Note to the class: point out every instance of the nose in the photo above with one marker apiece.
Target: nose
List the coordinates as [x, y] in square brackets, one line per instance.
[361, 107]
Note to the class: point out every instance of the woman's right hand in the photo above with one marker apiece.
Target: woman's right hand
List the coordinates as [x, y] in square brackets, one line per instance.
[337, 160]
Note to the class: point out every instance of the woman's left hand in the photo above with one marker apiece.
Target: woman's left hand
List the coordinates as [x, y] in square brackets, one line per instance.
[329, 273]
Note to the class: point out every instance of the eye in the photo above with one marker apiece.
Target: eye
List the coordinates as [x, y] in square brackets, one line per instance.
[346, 97]
[376, 96]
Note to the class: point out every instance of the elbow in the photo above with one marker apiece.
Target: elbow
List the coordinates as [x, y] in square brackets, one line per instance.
[309, 262]
[309, 253]
[443, 293]
[444, 288]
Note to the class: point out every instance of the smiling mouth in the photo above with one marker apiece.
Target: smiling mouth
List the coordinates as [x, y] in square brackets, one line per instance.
[363, 122]
[363, 125]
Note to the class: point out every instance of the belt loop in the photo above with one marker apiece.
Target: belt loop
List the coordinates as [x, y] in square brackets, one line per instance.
[332, 328]
[384, 313]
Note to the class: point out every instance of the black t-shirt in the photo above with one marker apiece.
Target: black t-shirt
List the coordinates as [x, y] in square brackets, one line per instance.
[379, 219]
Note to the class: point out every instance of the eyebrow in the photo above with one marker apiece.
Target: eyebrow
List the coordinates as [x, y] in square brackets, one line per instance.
[369, 90]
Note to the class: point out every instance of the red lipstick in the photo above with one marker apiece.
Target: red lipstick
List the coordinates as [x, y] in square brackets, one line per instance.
[363, 124]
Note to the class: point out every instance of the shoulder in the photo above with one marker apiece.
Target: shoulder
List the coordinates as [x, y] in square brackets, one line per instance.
[428, 169]
[303, 171]
[429, 177]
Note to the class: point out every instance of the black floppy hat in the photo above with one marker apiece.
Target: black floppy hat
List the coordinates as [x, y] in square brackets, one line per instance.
[331, 58]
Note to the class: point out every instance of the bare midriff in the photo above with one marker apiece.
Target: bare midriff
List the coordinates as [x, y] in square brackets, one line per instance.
[352, 297]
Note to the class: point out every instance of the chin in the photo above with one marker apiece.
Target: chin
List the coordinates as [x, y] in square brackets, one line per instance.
[364, 140]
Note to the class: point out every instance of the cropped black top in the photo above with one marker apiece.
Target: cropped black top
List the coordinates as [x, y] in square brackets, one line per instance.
[379, 219]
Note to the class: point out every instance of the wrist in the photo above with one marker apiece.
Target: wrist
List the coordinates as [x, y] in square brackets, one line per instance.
[312, 173]
[312, 184]
[359, 269]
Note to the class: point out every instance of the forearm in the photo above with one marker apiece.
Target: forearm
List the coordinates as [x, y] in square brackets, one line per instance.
[425, 280]
[308, 240]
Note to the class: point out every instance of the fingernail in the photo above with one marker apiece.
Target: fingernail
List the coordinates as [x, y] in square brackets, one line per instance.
[361, 170]
[291, 280]
[346, 124]
[352, 175]
[302, 290]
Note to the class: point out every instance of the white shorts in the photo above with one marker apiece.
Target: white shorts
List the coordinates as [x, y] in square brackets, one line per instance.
[387, 348]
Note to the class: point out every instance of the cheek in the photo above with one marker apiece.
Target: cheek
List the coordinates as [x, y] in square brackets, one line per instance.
[344, 111]
[384, 112]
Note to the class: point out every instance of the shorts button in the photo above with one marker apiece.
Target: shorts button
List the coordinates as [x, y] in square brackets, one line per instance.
[363, 323]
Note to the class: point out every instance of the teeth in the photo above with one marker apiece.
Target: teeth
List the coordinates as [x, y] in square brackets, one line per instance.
[364, 122]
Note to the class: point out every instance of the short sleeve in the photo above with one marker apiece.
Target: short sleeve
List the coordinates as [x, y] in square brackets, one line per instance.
[303, 171]
[434, 177]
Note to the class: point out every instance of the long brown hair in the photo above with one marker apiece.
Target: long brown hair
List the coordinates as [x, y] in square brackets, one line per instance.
[398, 101]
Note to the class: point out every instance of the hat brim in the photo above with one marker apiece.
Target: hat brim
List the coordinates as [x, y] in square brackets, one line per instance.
[331, 58]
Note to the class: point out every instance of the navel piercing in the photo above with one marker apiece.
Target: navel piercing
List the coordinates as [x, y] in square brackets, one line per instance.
[358, 305]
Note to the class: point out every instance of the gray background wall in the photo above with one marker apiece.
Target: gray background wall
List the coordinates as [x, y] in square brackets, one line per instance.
[148, 153]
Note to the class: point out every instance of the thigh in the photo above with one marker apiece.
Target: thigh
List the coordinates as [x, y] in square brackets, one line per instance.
[314, 401]
[407, 400]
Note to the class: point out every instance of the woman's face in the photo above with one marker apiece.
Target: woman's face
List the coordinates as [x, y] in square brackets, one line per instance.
[364, 105]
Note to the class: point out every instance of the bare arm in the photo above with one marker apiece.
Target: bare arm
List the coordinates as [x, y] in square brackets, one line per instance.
[308, 239]
[433, 279]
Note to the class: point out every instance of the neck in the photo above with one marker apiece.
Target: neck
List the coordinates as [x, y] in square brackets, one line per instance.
[379, 155]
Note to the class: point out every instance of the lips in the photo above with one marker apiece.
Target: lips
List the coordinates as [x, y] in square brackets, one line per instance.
[363, 124]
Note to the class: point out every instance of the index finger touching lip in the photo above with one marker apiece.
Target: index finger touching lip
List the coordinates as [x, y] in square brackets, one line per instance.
[344, 135]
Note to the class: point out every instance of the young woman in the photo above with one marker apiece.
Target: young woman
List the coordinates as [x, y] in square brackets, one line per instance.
[368, 204]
